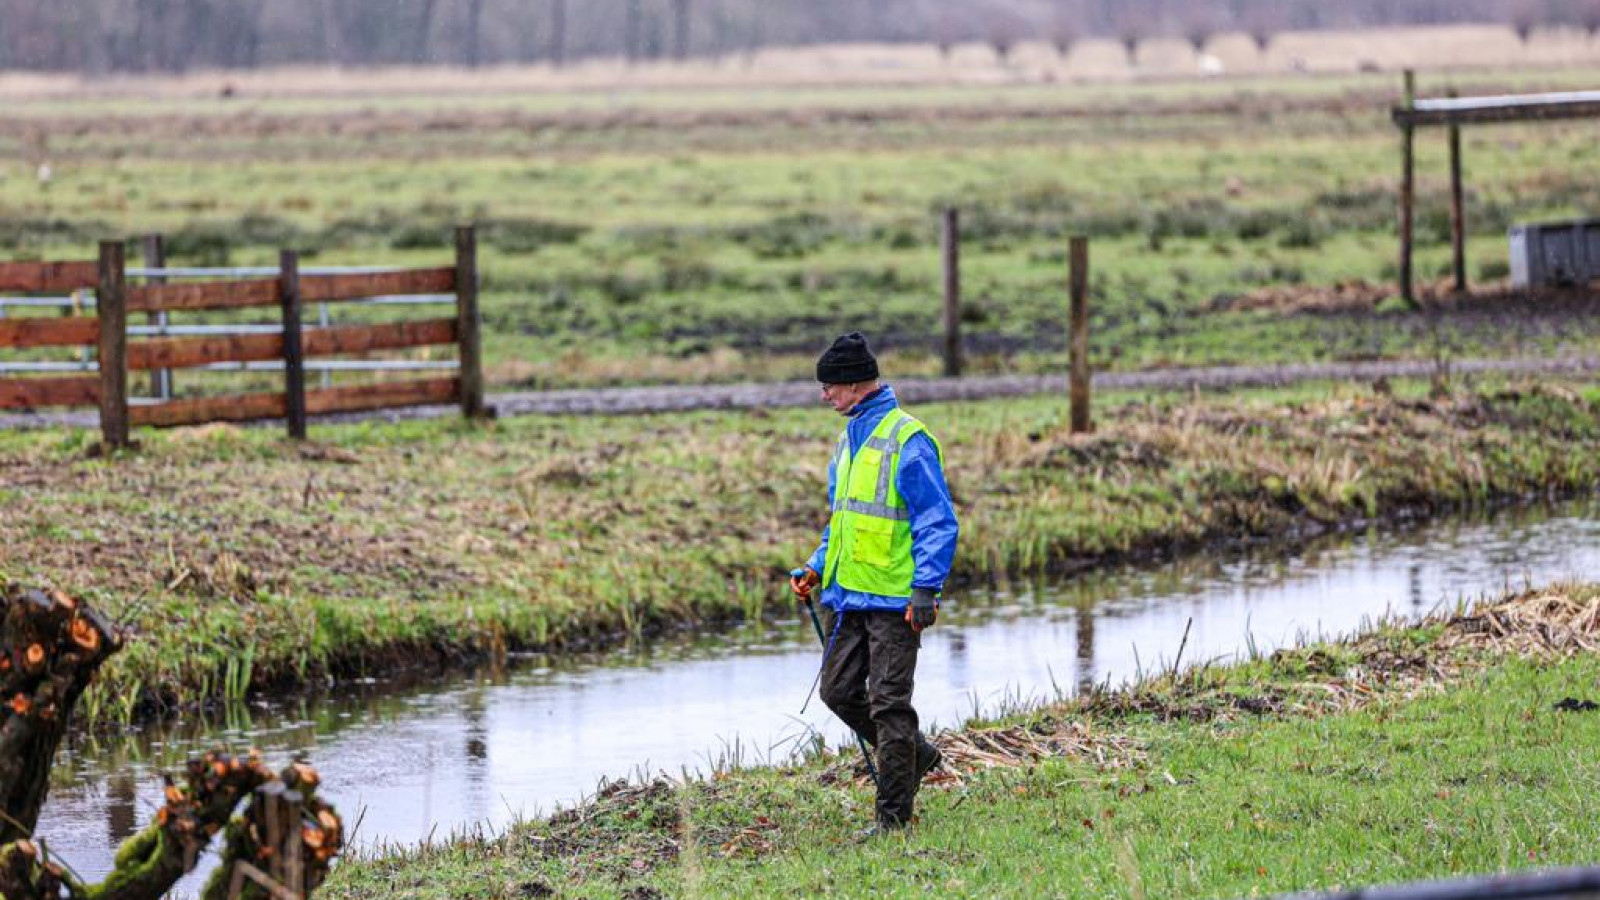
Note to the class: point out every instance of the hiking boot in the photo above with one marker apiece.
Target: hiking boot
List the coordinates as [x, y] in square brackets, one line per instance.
[928, 759]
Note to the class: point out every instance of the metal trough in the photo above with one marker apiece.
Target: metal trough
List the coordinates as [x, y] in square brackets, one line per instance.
[1555, 254]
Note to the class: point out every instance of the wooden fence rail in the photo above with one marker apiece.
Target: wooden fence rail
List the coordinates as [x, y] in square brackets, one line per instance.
[49, 277]
[72, 332]
[107, 330]
[37, 393]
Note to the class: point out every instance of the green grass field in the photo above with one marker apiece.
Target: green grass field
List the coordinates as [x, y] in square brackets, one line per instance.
[682, 236]
[1409, 753]
[689, 236]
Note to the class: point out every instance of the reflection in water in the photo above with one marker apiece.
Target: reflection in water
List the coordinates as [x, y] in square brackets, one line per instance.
[122, 818]
[475, 731]
[958, 655]
[483, 750]
[1085, 648]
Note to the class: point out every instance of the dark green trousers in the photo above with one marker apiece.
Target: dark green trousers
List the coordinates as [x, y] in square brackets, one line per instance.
[867, 680]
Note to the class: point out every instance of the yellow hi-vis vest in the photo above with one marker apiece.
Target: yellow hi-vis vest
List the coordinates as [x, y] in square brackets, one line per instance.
[869, 538]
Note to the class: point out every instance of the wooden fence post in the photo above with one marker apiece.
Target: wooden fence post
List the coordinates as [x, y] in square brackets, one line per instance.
[468, 332]
[1458, 210]
[952, 293]
[1080, 336]
[155, 257]
[294, 361]
[1408, 190]
[111, 308]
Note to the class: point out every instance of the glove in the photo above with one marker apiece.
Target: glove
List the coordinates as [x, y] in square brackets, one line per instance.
[923, 610]
[803, 580]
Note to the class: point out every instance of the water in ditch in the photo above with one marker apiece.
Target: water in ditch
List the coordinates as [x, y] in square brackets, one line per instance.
[418, 761]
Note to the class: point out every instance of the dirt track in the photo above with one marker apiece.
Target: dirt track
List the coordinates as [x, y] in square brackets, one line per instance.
[638, 400]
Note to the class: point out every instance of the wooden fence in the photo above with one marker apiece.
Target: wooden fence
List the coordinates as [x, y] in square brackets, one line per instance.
[107, 331]
[1078, 377]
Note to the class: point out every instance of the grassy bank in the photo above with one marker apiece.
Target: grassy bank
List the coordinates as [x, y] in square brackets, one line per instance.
[245, 562]
[1461, 745]
[673, 239]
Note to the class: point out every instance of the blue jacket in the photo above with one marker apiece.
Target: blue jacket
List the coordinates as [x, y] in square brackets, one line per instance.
[921, 484]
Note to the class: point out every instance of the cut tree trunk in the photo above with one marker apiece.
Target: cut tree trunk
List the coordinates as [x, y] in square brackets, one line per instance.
[287, 836]
[50, 647]
[151, 862]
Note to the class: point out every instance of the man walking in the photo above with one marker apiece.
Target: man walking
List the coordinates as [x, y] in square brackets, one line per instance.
[882, 564]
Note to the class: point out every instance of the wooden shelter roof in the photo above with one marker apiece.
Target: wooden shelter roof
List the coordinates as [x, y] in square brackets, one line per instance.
[1504, 108]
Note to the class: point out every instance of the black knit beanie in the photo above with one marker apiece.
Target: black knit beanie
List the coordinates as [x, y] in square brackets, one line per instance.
[848, 361]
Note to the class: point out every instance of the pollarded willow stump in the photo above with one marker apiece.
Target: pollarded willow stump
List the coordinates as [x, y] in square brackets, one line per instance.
[50, 647]
[281, 846]
[287, 836]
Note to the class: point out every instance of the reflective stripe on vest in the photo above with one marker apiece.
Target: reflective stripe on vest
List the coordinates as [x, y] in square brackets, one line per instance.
[890, 448]
[869, 539]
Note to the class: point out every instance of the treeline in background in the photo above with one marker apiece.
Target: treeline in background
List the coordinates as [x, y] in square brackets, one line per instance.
[104, 36]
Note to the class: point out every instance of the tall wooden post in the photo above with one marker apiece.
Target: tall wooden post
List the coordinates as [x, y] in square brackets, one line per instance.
[112, 311]
[294, 360]
[1408, 188]
[1080, 336]
[952, 294]
[468, 323]
[155, 257]
[1458, 211]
